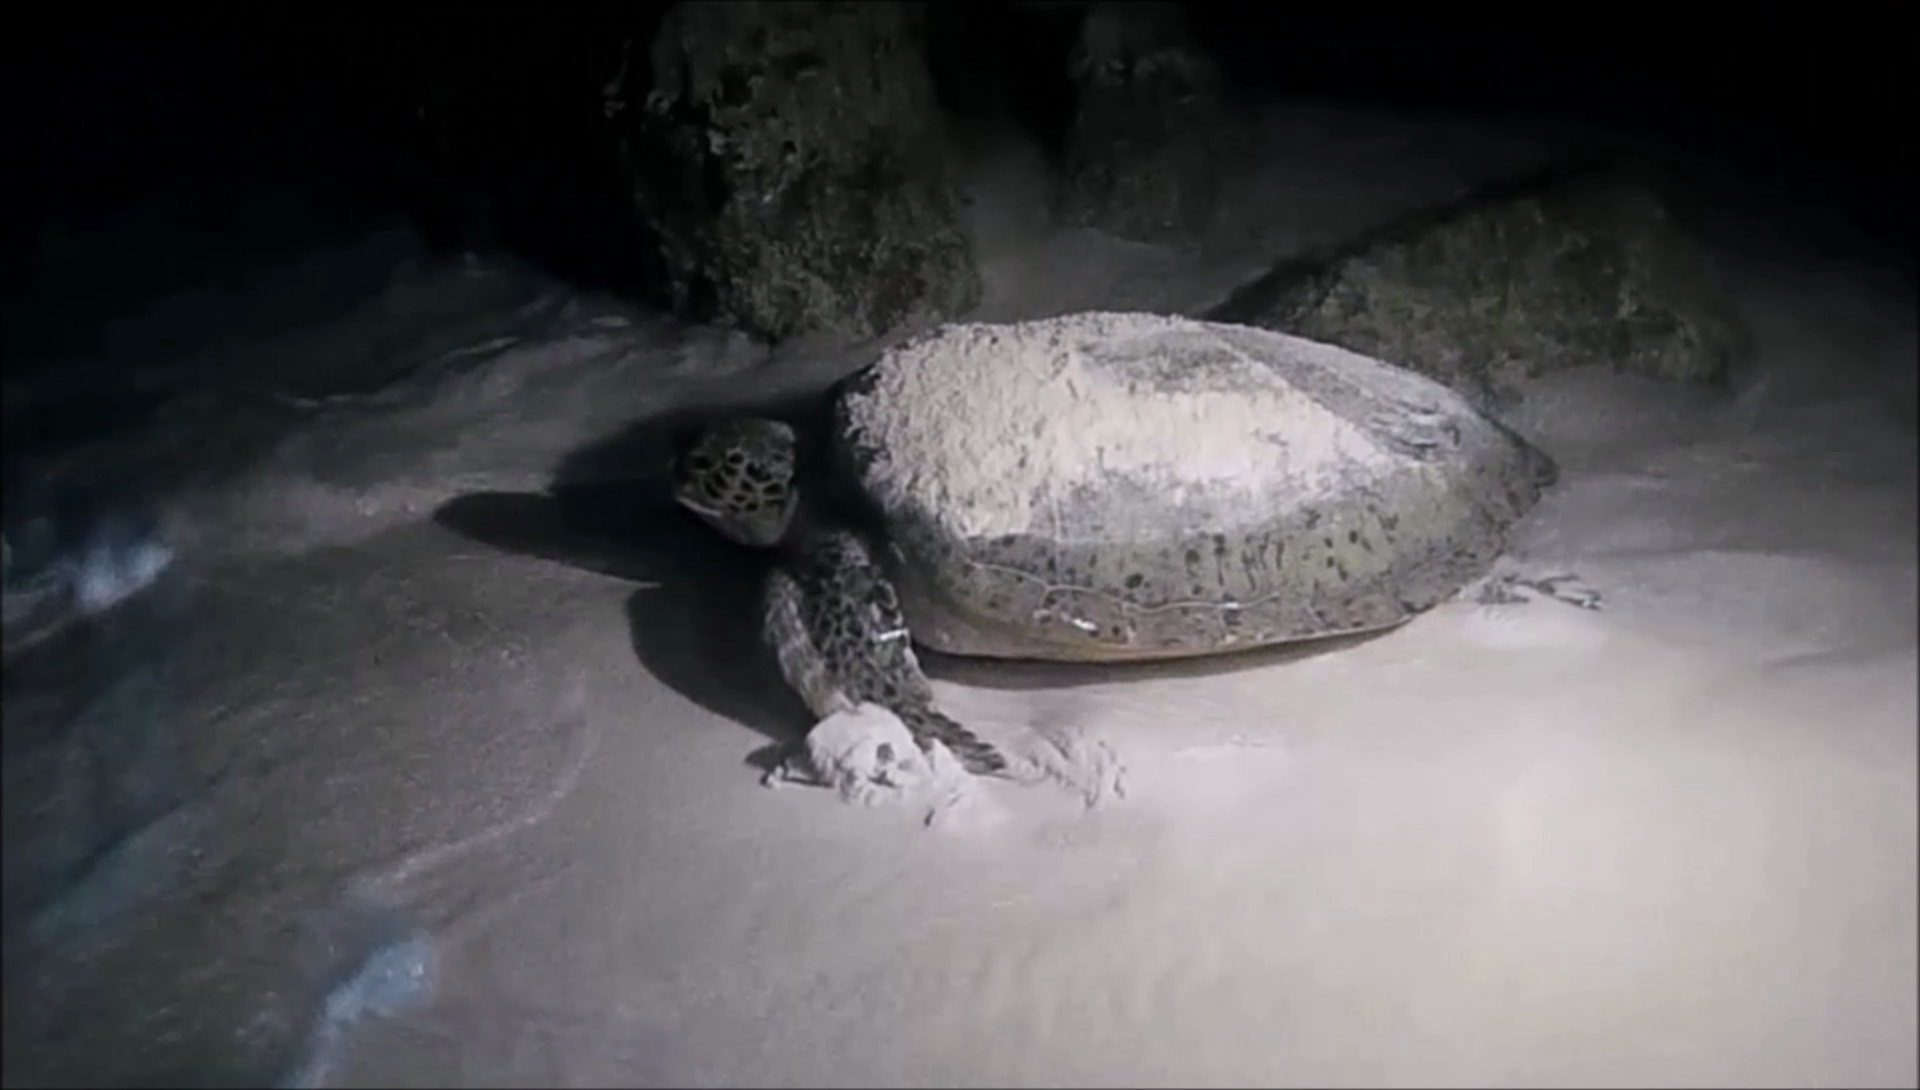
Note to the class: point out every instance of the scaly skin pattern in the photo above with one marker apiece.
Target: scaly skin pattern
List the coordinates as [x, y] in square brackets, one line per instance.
[738, 477]
[835, 626]
[832, 618]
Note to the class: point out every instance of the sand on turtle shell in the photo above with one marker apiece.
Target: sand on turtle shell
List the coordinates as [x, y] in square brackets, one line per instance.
[1082, 399]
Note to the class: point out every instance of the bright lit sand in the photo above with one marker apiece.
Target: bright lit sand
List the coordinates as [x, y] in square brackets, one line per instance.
[384, 785]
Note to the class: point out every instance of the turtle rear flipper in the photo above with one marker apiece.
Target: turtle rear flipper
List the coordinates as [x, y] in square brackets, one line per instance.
[928, 724]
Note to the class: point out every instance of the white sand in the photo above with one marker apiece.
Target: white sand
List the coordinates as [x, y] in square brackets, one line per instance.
[350, 797]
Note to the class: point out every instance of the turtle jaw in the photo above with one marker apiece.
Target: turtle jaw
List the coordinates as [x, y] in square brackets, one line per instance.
[760, 527]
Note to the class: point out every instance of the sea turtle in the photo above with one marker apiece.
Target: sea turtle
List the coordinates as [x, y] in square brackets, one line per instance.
[1103, 487]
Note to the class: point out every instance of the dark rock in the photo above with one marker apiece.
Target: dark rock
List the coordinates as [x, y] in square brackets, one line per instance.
[1141, 158]
[789, 157]
[454, 207]
[1537, 276]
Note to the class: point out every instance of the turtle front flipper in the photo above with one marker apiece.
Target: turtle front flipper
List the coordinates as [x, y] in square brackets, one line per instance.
[807, 671]
[834, 623]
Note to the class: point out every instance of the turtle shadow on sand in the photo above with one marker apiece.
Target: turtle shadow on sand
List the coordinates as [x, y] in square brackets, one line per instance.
[694, 618]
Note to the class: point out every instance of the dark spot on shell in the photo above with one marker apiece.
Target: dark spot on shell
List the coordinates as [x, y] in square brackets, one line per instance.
[1353, 537]
[1193, 556]
[1135, 580]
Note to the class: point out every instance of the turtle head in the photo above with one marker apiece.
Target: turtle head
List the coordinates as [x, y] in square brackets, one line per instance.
[738, 476]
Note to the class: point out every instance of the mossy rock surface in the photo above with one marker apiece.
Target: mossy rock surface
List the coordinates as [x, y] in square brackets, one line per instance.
[1528, 278]
[789, 159]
